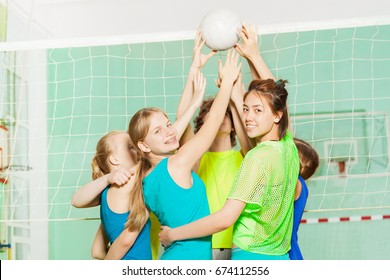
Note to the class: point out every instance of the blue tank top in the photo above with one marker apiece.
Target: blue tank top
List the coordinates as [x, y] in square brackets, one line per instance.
[299, 207]
[175, 206]
[114, 224]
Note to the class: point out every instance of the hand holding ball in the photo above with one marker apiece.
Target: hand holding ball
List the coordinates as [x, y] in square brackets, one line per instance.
[220, 29]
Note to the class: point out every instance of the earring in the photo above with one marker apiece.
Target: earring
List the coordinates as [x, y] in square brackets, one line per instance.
[276, 120]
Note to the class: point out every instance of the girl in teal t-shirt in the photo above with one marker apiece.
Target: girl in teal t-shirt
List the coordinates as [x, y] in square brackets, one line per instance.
[171, 190]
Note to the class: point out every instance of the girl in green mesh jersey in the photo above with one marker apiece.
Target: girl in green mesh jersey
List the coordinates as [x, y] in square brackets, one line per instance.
[261, 200]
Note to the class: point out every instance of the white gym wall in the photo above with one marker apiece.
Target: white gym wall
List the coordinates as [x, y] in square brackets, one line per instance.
[59, 19]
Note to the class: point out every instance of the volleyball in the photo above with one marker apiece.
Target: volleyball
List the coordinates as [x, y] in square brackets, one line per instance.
[220, 29]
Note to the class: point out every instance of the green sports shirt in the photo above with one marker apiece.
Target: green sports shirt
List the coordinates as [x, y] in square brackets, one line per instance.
[266, 182]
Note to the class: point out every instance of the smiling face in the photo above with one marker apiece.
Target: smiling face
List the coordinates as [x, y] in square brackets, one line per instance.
[260, 121]
[161, 138]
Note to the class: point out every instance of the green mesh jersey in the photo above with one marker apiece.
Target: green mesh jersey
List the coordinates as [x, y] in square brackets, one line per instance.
[266, 182]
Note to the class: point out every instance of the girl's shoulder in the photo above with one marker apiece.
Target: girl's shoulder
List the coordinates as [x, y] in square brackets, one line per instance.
[159, 169]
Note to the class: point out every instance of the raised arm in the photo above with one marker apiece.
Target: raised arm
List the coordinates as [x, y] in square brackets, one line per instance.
[89, 194]
[188, 155]
[181, 123]
[236, 107]
[198, 61]
[250, 50]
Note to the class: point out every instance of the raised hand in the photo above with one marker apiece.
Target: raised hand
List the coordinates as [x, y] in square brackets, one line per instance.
[120, 176]
[249, 47]
[231, 69]
[199, 59]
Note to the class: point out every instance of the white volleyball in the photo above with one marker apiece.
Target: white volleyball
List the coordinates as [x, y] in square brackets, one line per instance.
[221, 29]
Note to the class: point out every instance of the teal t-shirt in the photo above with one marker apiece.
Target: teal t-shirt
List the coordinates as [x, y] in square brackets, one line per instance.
[175, 206]
[114, 224]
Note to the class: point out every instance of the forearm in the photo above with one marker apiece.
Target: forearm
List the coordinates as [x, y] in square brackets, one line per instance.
[122, 245]
[255, 75]
[89, 194]
[186, 97]
[202, 227]
[206, 135]
[211, 224]
[239, 127]
[99, 246]
[181, 124]
[260, 67]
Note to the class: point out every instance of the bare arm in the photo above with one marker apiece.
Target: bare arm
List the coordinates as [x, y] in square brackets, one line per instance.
[181, 124]
[190, 153]
[198, 61]
[250, 50]
[208, 225]
[89, 194]
[236, 107]
[122, 244]
[100, 244]
[255, 75]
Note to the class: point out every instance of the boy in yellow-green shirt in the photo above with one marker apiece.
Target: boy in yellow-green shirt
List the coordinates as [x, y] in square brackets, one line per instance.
[217, 168]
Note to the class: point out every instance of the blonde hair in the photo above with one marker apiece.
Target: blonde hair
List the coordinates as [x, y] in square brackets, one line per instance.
[138, 129]
[104, 149]
[100, 167]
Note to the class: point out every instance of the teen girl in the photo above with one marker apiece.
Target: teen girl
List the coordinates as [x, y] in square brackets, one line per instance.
[172, 191]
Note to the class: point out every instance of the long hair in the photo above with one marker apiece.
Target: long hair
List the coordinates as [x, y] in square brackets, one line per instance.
[138, 129]
[204, 109]
[104, 149]
[276, 96]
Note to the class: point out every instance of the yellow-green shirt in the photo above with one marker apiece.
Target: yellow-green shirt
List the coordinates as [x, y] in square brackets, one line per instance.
[217, 170]
[266, 183]
[154, 240]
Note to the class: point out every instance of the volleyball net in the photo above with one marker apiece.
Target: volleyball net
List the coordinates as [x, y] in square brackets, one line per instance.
[59, 98]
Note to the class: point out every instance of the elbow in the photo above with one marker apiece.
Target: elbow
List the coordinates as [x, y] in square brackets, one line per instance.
[224, 221]
[74, 203]
[126, 240]
[225, 224]
[97, 254]
[228, 215]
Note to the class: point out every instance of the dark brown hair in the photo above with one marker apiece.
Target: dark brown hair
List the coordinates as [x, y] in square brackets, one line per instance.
[204, 109]
[308, 158]
[276, 96]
